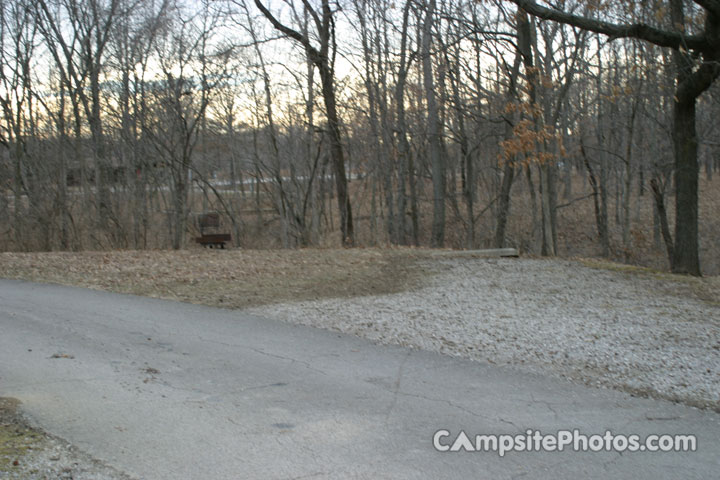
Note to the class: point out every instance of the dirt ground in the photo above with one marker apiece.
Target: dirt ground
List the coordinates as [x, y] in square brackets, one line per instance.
[16, 437]
[27, 453]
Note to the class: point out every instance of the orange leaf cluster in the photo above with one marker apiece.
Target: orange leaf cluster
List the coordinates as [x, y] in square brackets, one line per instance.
[530, 109]
[528, 145]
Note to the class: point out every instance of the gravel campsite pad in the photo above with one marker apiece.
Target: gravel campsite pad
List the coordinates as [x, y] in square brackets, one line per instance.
[649, 334]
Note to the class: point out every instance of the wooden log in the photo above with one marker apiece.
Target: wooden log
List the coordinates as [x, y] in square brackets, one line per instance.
[487, 253]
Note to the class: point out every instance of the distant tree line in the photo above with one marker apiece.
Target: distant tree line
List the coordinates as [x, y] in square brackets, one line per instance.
[355, 122]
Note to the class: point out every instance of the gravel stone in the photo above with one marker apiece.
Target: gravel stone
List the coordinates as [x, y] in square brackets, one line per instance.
[556, 317]
[51, 458]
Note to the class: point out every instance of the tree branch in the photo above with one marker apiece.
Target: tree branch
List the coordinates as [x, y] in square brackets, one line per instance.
[698, 81]
[313, 14]
[294, 34]
[712, 6]
[642, 31]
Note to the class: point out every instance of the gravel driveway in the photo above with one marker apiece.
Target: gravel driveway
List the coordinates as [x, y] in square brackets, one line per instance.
[633, 332]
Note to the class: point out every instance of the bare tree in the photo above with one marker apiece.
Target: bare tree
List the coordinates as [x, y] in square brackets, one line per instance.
[17, 46]
[323, 57]
[77, 33]
[435, 135]
[190, 73]
[696, 57]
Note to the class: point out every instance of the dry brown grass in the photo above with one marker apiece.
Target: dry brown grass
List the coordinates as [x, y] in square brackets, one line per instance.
[706, 289]
[228, 278]
[246, 278]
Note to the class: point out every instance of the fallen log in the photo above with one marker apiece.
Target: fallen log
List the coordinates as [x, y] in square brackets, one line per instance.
[486, 253]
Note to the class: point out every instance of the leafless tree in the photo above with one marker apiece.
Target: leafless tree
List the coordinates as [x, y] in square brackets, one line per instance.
[323, 56]
[696, 58]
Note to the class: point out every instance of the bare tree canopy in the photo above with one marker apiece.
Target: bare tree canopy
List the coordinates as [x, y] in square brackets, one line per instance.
[693, 78]
[558, 128]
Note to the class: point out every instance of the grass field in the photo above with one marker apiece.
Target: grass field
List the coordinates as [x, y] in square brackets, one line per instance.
[227, 278]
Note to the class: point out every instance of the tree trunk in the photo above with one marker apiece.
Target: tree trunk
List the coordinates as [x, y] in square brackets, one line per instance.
[404, 160]
[503, 210]
[546, 210]
[661, 215]
[180, 207]
[62, 181]
[599, 204]
[434, 133]
[338, 159]
[628, 180]
[685, 258]
[504, 204]
[533, 207]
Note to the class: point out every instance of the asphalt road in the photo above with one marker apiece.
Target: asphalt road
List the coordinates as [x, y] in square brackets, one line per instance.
[165, 390]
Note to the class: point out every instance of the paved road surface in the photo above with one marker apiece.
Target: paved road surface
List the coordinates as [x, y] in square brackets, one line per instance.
[165, 390]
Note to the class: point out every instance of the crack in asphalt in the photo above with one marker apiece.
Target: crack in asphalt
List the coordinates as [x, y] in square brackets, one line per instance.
[263, 352]
[447, 402]
[396, 387]
[547, 405]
